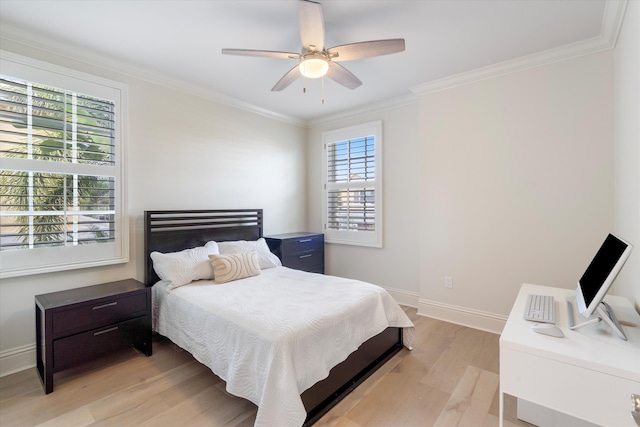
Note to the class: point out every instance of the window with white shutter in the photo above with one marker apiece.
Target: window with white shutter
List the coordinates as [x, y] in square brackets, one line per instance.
[353, 190]
[61, 189]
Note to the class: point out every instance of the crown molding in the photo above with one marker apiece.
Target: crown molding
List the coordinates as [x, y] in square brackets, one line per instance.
[614, 11]
[613, 16]
[19, 36]
[611, 23]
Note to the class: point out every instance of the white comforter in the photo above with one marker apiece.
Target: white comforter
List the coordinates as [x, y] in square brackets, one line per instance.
[272, 336]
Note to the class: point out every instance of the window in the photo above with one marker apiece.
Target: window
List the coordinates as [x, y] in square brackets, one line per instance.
[61, 179]
[353, 185]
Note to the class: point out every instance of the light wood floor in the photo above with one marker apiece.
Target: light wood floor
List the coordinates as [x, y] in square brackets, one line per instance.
[449, 379]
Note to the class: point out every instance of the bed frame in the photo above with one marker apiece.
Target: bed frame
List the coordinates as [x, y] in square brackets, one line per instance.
[175, 230]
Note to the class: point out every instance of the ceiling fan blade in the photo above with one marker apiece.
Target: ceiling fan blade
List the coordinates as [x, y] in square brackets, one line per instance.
[263, 53]
[311, 24]
[348, 52]
[287, 79]
[343, 76]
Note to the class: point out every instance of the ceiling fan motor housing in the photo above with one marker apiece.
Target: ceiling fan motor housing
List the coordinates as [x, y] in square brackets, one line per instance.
[314, 65]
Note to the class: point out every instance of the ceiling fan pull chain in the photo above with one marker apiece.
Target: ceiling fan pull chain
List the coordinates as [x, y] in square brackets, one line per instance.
[322, 90]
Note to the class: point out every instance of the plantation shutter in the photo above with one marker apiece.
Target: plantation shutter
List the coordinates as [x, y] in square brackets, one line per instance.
[352, 211]
[351, 197]
[57, 177]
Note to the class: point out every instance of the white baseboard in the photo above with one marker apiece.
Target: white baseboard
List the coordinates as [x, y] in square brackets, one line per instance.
[17, 359]
[476, 319]
[402, 297]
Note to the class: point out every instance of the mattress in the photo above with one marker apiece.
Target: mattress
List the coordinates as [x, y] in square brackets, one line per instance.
[272, 336]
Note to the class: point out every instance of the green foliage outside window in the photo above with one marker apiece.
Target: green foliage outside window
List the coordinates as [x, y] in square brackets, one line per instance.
[43, 124]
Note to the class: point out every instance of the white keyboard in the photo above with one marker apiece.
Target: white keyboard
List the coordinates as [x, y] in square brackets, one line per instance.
[540, 308]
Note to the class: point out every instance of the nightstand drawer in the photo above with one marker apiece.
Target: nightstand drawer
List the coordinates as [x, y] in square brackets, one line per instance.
[79, 348]
[303, 244]
[303, 260]
[302, 251]
[99, 312]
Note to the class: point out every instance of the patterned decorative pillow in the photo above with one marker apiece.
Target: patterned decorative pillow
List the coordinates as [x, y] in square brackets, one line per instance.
[266, 258]
[227, 268]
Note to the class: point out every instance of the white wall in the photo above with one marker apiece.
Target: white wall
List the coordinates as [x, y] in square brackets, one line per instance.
[183, 152]
[396, 265]
[517, 184]
[498, 182]
[627, 149]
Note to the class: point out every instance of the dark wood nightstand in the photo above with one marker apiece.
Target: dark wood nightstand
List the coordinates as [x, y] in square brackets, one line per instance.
[82, 324]
[302, 251]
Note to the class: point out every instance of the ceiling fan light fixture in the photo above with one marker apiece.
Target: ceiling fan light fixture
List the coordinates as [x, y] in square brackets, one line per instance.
[314, 66]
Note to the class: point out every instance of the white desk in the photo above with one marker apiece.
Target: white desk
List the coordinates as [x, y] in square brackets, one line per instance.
[589, 374]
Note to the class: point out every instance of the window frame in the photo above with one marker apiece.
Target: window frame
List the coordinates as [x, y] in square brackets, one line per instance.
[15, 263]
[355, 237]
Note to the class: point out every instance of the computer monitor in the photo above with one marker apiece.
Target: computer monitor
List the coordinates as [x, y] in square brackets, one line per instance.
[598, 277]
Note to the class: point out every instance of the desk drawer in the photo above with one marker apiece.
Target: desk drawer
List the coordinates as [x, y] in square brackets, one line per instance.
[584, 393]
[95, 314]
[79, 348]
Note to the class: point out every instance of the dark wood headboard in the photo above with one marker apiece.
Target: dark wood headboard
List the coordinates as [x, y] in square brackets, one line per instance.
[175, 230]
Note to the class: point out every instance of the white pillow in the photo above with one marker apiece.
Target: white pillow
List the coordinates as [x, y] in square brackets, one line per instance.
[266, 258]
[185, 266]
[234, 266]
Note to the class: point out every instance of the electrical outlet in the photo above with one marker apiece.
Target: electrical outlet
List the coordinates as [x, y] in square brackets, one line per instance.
[448, 282]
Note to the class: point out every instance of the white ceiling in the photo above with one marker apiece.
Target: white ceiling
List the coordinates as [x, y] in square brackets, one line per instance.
[183, 40]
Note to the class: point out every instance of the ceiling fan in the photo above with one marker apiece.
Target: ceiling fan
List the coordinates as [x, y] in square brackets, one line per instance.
[315, 60]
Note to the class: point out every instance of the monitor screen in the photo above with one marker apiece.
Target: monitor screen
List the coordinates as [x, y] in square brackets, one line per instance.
[601, 273]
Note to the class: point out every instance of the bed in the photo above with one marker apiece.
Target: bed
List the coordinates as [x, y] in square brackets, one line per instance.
[294, 363]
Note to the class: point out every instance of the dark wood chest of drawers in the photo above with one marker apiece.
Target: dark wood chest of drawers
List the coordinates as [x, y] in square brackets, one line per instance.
[302, 251]
[82, 324]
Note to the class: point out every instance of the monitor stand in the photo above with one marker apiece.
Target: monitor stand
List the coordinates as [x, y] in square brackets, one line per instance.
[604, 312]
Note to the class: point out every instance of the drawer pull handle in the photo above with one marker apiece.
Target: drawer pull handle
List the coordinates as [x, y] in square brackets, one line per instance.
[305, 256]
[110, 304]
[115, 328]
[304, 240]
